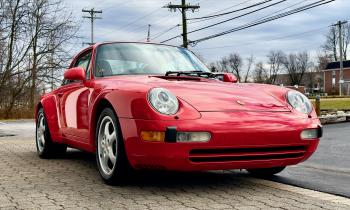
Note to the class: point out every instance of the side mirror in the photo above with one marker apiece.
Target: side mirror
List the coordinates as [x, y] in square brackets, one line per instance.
[228, 77]
[76, 73]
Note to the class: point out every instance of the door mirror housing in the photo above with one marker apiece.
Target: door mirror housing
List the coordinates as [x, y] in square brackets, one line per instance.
[228, 77]
[76, 73]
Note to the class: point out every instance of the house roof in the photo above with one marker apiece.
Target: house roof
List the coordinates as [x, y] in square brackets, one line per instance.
[336, 65]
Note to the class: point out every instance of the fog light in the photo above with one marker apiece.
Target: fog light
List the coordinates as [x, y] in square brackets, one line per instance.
[193, 136]
[309, 134]
[157, 136]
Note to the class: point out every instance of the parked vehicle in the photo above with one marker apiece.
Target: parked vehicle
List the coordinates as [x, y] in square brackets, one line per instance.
[147, 106]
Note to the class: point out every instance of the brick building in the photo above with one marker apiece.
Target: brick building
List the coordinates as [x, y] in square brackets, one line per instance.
[334, 69]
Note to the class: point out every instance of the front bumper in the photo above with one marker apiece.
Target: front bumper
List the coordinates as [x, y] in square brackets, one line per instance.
[239, 140]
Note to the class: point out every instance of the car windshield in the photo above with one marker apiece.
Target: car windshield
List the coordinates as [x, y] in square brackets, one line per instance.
[139, 58]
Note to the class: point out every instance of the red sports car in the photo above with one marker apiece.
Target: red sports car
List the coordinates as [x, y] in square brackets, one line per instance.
[147, 106]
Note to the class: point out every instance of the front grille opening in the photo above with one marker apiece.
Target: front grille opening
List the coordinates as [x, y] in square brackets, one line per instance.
[240, 158]
[246, 150]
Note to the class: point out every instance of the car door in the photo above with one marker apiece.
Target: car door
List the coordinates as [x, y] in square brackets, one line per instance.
[74, 100]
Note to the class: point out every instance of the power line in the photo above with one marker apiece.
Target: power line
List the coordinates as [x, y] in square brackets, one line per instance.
[261, 17]
[236, 17]
[226, 13]
[143, 27]
[269, 40]
[167, 30]
[225, 20]
[131, 22]
[305, 46]
[230, 7]
[309, 6]
[95, 4]
[117, 5]
[183, 8]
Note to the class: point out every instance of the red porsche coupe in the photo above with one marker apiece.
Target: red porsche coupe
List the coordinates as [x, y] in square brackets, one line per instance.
[147, 106]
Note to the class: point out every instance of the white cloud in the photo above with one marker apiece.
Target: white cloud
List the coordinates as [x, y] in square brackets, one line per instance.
[117, 17]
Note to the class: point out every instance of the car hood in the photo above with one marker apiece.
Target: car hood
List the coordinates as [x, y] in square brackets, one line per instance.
[220, 96]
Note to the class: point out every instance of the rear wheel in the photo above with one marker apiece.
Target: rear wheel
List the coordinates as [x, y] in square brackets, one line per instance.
[265, 171]
[111, 158]
[46, 148]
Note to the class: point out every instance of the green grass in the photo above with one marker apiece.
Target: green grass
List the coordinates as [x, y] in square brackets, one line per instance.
[333, 104]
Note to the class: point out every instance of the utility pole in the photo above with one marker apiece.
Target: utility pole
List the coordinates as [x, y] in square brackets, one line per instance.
[149, 33]
[183, 8]
[341, 54]
[92, 17]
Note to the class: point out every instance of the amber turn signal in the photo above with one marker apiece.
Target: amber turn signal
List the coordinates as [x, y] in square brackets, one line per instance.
[157, 136]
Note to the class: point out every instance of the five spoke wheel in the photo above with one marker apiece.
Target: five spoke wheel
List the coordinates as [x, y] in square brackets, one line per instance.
[40, 132]
[111, 158]
[46, 147]
[107, 145]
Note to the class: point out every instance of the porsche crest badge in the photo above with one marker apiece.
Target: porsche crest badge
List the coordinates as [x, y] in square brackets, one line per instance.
[240, 103]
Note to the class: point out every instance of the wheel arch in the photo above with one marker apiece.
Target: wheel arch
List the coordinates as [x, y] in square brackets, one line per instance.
[48, 103]
[98, 108]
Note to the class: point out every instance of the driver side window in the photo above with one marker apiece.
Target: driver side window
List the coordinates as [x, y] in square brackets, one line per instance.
[84, 62]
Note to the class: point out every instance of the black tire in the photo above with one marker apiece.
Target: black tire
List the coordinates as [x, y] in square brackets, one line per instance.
[265, 171]
[110, 148]
[46, 148]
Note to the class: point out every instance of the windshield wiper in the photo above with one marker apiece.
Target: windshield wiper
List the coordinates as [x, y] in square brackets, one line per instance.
[191, 73]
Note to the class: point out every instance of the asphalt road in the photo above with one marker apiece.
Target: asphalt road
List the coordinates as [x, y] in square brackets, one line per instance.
[328, 170]
[25, 128]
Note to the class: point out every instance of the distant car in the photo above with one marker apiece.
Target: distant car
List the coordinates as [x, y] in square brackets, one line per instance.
[147, 106]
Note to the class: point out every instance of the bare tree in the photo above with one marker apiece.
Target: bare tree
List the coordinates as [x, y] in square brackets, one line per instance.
[250, 61]
[275, 59]
[223, 65]
[259, 73]
[235, 62]
[345, 39]
[28, 31]
[332, 41]
[323, 58]
[213, 67]
[331, 44]
[297, 65]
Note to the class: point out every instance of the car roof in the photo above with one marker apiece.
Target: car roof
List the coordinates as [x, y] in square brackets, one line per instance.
[108, 42]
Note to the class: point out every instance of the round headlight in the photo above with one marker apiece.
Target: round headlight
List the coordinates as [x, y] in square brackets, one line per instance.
[163, 101]
[299, 101]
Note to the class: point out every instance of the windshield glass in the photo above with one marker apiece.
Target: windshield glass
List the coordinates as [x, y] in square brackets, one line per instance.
[137, 58]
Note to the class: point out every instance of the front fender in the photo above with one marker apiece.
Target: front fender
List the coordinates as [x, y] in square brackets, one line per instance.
[49, 104]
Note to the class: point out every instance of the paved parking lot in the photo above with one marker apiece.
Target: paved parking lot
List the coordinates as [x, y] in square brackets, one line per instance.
[28, 182]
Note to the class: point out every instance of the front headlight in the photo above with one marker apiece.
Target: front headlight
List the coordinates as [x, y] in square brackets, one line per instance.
[299, 102]
[163, 101]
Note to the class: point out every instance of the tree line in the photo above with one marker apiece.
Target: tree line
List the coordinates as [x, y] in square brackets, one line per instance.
[35, 41]
[36, 38]
[299, 67]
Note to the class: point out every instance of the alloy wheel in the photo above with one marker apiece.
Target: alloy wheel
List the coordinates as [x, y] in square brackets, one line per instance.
[40, 132]
[107, 145]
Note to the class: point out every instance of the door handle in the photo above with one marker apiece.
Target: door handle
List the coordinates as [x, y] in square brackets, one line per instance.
[60, 94]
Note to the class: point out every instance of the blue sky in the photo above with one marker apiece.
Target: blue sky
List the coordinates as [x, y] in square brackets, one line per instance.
[113, 26]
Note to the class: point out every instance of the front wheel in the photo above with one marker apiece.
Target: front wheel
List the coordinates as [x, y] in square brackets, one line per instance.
[46, 148]
[266, 171]
[111, 158]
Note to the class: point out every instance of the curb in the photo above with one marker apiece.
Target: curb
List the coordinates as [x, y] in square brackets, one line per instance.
[335, 118]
